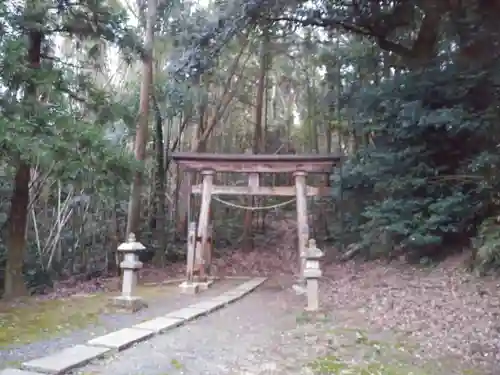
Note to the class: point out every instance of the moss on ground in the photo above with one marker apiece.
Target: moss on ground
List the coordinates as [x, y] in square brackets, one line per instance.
[355, 352]
[306, 317]
[332, 365]
[30, 320]
[8, 364]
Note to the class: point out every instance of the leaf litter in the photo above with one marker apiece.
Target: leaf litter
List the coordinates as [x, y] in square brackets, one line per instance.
[449, 313]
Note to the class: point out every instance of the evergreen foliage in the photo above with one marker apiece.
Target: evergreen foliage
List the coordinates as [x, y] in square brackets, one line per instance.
[429, 177]
[53, 115]
[67, 120]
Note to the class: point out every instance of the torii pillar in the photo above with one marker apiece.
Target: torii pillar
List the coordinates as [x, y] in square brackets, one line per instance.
[302, 227]
[202, 240]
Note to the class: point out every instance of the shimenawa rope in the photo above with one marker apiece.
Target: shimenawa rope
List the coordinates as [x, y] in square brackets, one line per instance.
[251, 208]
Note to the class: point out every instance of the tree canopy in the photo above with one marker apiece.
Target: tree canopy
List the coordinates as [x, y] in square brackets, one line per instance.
[94, 97]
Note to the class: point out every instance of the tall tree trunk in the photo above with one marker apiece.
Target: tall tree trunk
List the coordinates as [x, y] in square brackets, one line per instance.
[141, 137]
[267, 100]
[311, 115]
[160, 186]
[18, 217]
[14, 280]
[114, 234]
[258, 140]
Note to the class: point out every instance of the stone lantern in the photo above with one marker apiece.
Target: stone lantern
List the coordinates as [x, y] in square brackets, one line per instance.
[130, 267]
[304, 234]
[312, 273]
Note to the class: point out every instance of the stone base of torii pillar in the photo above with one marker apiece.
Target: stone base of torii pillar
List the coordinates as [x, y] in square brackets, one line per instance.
[193, 284]
[193, 287]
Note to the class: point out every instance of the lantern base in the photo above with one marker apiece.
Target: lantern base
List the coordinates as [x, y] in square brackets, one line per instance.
[131, 304]
[317, 315]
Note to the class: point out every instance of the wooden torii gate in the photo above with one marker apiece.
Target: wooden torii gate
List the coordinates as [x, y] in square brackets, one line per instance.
[252, 164]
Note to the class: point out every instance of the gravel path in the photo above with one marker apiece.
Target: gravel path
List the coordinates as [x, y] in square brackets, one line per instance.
[238, 339]
[267, 333]
[107, 323]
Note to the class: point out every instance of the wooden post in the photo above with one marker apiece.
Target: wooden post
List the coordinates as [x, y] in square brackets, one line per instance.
[206, 197]
[191, 245]
[300, 192]
[253, 181]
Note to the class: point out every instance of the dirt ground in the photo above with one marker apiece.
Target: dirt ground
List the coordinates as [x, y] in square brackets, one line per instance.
[267, 333]
[376, 319]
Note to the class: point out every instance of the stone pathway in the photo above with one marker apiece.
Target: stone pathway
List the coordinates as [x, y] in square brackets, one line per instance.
[265, 333]
[268, 333]
[108, 322]
[240, 339]
[72, 357]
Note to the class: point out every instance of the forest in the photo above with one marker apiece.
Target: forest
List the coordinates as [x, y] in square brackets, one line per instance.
[95, 96]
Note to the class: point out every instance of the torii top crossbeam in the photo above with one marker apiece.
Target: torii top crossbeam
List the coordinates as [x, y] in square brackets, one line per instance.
[257, 163]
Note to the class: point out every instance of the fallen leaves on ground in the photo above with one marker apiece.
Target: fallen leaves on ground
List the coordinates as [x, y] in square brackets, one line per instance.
[448, 311]
[275, 254]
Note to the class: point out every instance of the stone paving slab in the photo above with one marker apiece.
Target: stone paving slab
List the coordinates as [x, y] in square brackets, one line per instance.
[15, 371]
[159, 325]
[240, 291]
[65, 360]
[224, 300]
[122, 338]
[250, 285]
[232, 296]
[187, 313]
[247, 286]
[233, 293]
[209, 306]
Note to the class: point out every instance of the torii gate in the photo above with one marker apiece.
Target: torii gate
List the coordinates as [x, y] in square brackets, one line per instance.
[252, 164]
